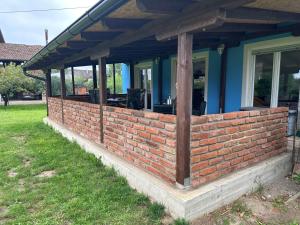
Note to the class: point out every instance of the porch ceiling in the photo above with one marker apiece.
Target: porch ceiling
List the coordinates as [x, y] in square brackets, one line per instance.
[136, 30]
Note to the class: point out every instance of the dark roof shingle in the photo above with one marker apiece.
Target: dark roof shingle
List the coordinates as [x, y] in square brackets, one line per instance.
[18, 52]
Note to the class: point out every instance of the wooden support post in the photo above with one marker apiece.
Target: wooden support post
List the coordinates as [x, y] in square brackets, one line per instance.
[95, 77]
[102, 93]
[223, 80]
[114, 78]
[73, 80]
[184, 108]
[62, 92]
[48, 88]
[131, 68]
[160, 80]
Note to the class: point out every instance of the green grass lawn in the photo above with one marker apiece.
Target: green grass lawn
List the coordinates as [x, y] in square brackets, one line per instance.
[81, 190]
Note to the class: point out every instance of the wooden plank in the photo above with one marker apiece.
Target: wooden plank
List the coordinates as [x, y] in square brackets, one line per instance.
[124, 23]
[102, 93]
[184, 107]
[161, 7]
[99, 36]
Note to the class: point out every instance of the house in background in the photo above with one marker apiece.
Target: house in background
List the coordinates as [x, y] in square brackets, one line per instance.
[16, 53]
[219, 79]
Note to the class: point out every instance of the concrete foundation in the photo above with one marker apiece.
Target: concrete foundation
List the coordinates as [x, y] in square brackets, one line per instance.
[188, 204]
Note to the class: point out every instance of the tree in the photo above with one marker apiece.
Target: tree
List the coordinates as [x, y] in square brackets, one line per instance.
[13, 81]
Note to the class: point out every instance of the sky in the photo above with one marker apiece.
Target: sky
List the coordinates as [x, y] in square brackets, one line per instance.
[29, 28]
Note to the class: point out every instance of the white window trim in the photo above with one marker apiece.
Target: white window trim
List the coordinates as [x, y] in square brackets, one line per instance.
[270, 46]
[196, 56]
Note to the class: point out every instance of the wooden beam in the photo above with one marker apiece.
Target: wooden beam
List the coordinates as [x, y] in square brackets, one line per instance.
[161, 7]
[48, 88]
[62, 93]
[160, 79]
[131, 70]
[223, 80]
[73, 80]
[255, 15]
[243, 27]
[114, 78]
[184, 108]
[95, 77]
[99, 36]
[124, 24]
[102, 93]
[192, 23]
[63, 83]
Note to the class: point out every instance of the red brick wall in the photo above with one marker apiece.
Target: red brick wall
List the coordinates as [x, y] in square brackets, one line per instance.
[146, 139]
[54, 105]
[83, 118]
[224, 143]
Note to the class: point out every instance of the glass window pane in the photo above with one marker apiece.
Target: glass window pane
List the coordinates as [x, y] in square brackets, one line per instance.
[289, 81]
[118, 78]
[263, 80]
[55, 82]
[198, 83]
[83, 77]
[69, 83]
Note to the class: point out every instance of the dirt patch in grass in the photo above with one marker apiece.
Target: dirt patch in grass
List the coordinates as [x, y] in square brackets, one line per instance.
[26, 162]
[12, 173]
[20, 139]
[47, 174]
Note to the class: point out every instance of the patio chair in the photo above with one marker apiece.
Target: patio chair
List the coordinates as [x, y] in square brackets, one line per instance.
[135, 98]
[201, 110]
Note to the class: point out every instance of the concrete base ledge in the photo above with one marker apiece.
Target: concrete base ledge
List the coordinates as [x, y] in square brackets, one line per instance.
[188, 204]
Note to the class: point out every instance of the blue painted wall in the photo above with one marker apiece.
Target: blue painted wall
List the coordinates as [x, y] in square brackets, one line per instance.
[233, 82]
[234, 78]
[166, 81]
[125, 77]
[214, 79]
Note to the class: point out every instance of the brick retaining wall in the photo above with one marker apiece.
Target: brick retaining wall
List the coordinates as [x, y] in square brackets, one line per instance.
[55, 111]
[83, 118]
[220, 143]
[224, 143]
[146, 139]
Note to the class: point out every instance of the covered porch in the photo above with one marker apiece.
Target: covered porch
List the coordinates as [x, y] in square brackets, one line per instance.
[187, 124]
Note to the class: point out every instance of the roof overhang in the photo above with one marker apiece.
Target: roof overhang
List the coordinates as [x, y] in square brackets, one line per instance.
[129, 30]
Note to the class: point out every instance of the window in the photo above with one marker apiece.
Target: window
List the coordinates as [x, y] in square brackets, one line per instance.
[263, 80]
[118, 78]
[272, 73]
[83, 80]
[55, 82]
[289, 79]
